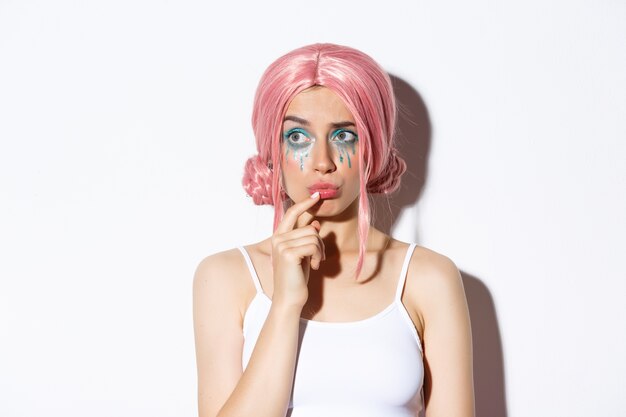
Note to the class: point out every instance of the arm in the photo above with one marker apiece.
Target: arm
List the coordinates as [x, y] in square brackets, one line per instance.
[449, 387]
[264, 388]
[218, 341]
[223, 388]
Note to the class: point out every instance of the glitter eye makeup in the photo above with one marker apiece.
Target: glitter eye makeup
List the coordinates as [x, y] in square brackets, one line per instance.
[299, 141]
[344, 136]
[345, 140]
[297, 138]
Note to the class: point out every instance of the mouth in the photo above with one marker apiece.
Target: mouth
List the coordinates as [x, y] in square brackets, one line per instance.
[326, 190]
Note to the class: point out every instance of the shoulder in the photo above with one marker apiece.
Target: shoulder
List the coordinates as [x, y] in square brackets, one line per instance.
[224, 259]
[424, 262]
[217, 265]
[222, 279]
[227, 273]
[432, 267]
[434, 283]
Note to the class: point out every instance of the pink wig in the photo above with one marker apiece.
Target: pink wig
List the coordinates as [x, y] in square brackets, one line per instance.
[367, 93]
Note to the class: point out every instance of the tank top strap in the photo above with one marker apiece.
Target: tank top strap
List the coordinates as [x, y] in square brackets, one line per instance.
[405, 268]
[255, 277]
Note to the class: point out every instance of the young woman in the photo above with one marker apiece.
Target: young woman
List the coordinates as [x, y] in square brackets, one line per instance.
[329, 316]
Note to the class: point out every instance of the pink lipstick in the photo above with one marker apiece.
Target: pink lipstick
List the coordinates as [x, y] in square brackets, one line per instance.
[326, 190]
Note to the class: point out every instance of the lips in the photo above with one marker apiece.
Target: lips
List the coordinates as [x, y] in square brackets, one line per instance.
[326, 190]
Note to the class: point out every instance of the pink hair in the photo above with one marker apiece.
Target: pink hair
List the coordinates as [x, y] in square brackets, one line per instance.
[366, 91]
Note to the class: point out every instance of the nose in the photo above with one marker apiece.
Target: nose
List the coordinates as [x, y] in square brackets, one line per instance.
[323, 157]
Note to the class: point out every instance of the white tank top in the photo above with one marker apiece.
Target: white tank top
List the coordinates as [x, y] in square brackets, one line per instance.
[366, 368]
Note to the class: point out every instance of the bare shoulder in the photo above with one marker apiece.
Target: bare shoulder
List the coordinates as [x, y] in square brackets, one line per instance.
[432, 268]
[433, 282]
[424, 262]
[213, 269]
[222, 278]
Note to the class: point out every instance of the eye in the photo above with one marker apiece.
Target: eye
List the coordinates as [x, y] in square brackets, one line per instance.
[297, 137]
[344, 136]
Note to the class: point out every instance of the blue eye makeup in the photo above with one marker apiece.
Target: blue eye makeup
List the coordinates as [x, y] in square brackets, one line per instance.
[344, 136]
[297, 138]
[299, 142]
[346, 142]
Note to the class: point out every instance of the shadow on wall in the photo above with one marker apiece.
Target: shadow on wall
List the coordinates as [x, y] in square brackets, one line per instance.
[414, 135]
[489, 384]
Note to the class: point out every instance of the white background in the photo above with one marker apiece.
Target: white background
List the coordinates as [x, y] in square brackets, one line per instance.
[124, 127]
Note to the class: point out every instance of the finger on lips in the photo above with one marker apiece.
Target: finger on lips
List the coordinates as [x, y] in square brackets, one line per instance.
[294, 212]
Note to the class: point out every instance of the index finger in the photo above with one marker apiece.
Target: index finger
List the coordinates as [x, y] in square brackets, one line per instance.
[291, 215]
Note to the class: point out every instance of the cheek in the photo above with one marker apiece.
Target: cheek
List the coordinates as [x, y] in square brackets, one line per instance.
[354, 180]
[350, 172]
[291, 170]
[294, 158]
[346, 154]
[290, 166]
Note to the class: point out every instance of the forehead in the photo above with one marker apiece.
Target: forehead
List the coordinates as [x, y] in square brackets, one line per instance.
[319, 104]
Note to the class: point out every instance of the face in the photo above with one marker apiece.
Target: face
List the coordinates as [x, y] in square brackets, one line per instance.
[320, 151]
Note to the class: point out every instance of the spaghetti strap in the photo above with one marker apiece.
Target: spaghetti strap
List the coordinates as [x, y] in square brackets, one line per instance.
[255, 277]
[405, 268]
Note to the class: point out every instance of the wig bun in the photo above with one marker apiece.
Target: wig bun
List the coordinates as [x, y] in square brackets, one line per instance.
[389, 180]
[257, 181]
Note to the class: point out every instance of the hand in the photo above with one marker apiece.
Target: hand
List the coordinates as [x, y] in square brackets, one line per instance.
[296, 248]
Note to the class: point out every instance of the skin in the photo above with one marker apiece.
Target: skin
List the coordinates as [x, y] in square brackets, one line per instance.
[306, 268]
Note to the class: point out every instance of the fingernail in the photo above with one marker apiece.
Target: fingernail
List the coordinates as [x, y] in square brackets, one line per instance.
[315, 194]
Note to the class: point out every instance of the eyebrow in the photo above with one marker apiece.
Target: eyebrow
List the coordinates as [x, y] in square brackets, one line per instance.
[305, 122]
